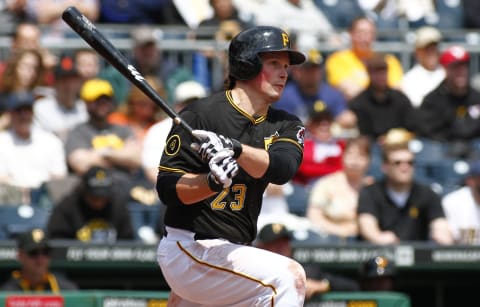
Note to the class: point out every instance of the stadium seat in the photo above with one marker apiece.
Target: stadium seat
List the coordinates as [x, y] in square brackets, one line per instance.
[340, 13]
[434, 165]
[375, 167]
[450, 14]
[18, 219]
[297, 200]
[145, 219]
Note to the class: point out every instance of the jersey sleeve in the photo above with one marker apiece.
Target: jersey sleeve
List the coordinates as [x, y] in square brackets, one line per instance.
[366, 202]
[286, 152]
[293, 132]
[177, 154]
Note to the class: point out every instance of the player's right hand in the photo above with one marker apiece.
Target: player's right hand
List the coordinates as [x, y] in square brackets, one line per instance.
[223, 168]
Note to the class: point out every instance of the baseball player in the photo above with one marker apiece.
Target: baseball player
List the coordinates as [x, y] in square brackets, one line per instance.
[213, 185]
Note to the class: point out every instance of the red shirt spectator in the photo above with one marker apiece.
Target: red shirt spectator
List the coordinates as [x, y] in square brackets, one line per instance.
[322, 153]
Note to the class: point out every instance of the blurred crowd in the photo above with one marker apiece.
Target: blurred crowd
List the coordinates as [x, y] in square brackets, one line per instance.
[391, 152]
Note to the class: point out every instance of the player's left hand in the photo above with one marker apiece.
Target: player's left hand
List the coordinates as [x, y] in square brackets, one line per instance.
[223, 168]
[213, 143]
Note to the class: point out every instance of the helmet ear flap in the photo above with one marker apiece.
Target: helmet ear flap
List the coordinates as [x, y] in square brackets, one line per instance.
[244, 69]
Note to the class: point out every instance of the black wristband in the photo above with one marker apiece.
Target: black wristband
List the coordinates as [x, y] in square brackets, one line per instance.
[237, 148]
[213, 184]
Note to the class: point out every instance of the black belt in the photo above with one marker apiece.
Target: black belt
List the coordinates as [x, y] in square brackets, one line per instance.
[199, 236]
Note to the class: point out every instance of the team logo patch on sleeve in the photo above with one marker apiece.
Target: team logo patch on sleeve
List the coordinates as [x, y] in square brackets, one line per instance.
[270, 139]
[172, 146]
[301, 135]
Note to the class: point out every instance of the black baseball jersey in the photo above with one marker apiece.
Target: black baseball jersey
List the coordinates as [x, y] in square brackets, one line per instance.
[410, 223]
[232, 213]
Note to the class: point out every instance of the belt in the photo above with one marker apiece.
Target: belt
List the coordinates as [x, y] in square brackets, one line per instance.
[182, 234]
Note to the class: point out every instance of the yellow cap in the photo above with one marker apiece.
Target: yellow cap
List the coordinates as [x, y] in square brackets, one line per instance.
[94, 89]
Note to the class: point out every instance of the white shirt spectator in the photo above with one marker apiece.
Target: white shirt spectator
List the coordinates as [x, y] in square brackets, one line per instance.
[29, 163]
[154, 142]
[463, 214]
[275, 210]
[305, 18]
[429, 80]
[156, 136]
[54, 117]
[426, 72]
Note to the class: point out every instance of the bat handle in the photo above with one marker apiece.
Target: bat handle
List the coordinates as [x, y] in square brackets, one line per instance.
[177, 120]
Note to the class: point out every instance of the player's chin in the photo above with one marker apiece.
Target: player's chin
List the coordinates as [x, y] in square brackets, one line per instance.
[276, 92]
[274, 97]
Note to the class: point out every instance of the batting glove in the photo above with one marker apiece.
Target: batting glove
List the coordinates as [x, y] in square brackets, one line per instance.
[222, 169]
[212, 143]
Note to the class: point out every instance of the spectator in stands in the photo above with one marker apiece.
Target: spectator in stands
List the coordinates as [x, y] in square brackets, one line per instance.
[451, 112]
[49, 13]
[345, 69]
[379, 107]
[385, 13]
[427, 70]
[29, 156]
[322, 154]
[307, 87]
[12, 13]
[332, 204]
[277, 239]
[276, 209]
[224, 11]
[140, 12]
[377, 274]
[87, 63]
[23, 72]
[297, 16]
[154, 140]
[34, 275]
[148, 58]
[225, 23]
[397, 208]
[28, 36]
[462, 208]
[61, 111]
[140, 112]
[96, 211]
[99, 143]
[393, 14]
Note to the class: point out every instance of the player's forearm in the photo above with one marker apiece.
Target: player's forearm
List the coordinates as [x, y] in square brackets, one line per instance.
[193, 188]
[254, 161]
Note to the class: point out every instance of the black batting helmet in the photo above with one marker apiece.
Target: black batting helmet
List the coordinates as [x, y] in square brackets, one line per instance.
[244, 48]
